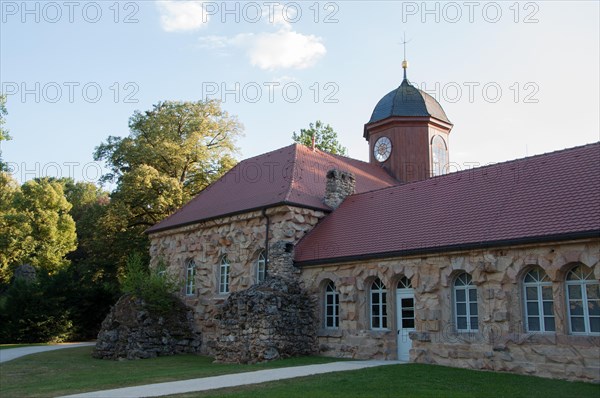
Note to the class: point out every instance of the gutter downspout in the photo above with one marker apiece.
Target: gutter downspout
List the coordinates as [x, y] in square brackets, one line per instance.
[264, 213]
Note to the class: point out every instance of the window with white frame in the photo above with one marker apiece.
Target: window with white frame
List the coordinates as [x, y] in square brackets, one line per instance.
[439, 156]
[583, 301]
[224, 275]
[332, 306]
[378, 304]
[465, 304]
[404, 283]
[539, 306]
[261, 267]
[190, 276]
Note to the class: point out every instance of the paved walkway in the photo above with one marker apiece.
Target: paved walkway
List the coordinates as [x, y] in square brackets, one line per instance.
[231, 380]
[8, 354]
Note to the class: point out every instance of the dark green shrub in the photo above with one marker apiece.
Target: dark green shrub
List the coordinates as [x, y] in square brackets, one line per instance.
[29, 315]
[154, 286]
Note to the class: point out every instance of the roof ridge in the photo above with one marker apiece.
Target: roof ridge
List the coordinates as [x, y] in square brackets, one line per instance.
[293, 176]
[337, 155]
[499, 164]
[350, 160]
[505, 162]
[196, 196]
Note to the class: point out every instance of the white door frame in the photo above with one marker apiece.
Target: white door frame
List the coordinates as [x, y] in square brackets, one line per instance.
[404, 343]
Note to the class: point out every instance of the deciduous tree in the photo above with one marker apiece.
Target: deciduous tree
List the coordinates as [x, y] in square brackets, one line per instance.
[3, 131]
[173, 151]
[36, 224]
[325, 137]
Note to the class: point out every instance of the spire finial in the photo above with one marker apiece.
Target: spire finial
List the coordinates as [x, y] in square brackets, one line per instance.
[404, 62]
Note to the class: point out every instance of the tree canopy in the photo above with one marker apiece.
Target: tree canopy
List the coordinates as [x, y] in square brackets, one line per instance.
[173, 151]
[36, 224]
[4, 136]
[79, 237]
[3, 131]
[326, 138]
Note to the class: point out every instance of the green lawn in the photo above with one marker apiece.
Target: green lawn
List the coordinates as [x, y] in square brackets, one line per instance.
[411, 380]
[73, 370]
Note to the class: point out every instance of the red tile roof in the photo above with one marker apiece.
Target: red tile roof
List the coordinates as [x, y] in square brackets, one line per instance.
[290, 175]
[550, 196]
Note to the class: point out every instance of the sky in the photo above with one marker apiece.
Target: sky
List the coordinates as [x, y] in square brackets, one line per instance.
[515, 78]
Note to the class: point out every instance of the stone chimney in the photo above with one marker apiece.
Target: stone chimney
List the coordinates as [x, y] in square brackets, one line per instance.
[281, 262]
[340, 184]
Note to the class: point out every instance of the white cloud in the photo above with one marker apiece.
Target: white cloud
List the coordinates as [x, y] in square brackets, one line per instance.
[181, 16]
[284, 49]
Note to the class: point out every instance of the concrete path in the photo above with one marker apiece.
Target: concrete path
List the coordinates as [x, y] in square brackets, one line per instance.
[8, 354]
[231, 380]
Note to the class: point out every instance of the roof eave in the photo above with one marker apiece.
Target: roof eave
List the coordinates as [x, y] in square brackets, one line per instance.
[405, 120]
[457, 247]
[151, 231]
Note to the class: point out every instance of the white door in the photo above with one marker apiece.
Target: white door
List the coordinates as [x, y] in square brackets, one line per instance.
[405, 305]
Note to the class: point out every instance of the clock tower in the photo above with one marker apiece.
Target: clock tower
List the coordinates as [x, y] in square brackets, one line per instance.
[408, 134]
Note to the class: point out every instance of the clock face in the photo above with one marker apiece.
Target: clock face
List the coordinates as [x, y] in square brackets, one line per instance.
[382, 149]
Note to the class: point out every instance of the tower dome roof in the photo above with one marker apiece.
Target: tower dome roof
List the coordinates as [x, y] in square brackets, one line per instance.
[407, 100]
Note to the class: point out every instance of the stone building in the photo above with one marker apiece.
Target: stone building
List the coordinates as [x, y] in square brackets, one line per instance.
[492, 268]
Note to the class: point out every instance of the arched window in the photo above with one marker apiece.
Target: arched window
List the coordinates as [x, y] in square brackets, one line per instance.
[378, 305]
[439, 156]
[583, 301]
[224, 275]
[465, 304]
[261, 267]
[332, 306]
[190, 276]
[404, 283]
[539, 307]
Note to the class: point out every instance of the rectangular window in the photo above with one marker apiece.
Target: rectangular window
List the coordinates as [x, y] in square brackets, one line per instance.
[190, 276]
[465, 304]
[378, 305]
[538, 306]
[332, 307]
[224, 276]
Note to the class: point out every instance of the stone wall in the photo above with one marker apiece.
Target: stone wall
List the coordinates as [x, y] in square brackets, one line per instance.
[271, 320]
[131, 331]
[502, 343]
[240, 237]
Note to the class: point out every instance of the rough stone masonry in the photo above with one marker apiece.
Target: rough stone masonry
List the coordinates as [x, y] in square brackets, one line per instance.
[132, 331]
[271, 320]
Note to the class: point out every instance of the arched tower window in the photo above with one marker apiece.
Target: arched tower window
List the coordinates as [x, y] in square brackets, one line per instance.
[583, 301]
[224, 275]
[261, 267]
[378, 304]
[439, 156]
[465, 304]
[539, 307]
[332, 306]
